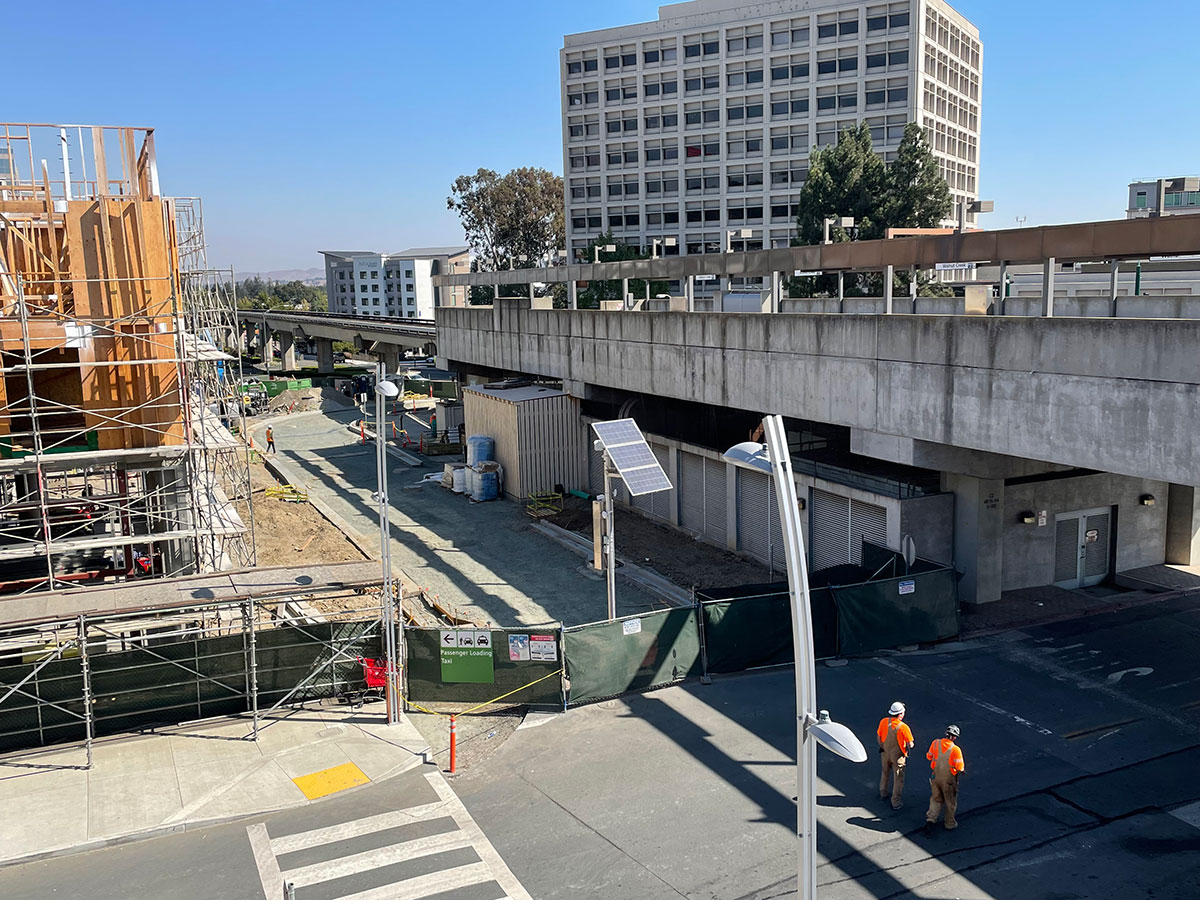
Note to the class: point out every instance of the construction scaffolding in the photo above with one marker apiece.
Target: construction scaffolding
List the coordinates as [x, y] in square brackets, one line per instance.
[118, 403]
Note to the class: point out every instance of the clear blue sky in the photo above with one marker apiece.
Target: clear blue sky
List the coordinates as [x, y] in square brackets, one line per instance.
[309, 126]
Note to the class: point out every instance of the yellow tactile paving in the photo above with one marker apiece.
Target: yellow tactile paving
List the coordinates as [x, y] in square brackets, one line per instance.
[330, 781]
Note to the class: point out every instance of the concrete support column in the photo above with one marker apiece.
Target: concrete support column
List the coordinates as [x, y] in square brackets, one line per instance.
[731, 506]
[1048, 288]
[267, 339]
[1183, 525]
[287, 351]
[673, 474]
[776, 292]
[1114, 279]
[912, 287]
[841, 292]
[324, 355]
[689, 291]
[572, 294]
[624, 293]
[887, 289]
[391, 358]
[978, 535]
[998, 308]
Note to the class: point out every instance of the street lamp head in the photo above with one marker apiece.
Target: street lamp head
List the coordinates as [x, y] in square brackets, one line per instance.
[388, 389]
[670, 242]
[749, 455]
[837, 738]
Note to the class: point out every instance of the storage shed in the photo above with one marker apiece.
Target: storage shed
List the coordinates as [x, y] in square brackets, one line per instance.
[540, 438]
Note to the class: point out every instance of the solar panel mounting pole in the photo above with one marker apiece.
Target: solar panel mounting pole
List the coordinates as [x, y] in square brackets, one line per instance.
[610, 539]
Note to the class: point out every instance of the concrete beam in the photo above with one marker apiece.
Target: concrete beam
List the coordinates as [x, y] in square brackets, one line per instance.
[324, 355]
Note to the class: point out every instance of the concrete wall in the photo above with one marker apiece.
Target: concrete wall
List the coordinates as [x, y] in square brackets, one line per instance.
[930, 522]
[1141, 531]
[1114, 395]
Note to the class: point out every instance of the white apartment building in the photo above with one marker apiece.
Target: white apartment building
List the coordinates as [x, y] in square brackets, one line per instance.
[698, 126]
[362, 283]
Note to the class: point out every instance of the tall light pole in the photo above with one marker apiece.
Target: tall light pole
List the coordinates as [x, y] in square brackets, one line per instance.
[812, 726]
[844, 222]
[393, 627]
[602, 248]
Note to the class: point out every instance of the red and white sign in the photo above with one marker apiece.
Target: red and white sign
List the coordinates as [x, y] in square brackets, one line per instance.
[543, 648]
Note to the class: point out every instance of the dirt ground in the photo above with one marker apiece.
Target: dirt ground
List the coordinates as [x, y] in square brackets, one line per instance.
[682, 559]
[308, 399]
[289, 533]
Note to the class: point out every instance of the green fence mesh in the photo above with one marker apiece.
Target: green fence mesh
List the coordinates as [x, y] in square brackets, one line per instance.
[514, 665]
[913, 609]
[751, 625]
[632, 654]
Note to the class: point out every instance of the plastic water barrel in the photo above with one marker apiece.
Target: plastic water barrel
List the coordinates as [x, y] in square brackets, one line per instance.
[472, 481]
[480, 448]
[460, 479]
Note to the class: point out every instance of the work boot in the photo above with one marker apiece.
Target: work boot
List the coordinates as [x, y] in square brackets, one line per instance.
[928, 829]
[897, 806]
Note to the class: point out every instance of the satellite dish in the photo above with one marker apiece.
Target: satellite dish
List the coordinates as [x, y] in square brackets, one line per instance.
[908, 548]
[838, 738]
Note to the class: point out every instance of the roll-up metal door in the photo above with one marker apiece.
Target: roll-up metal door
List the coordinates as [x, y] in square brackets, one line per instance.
[1097, 532]
[866, 521]
[754, 536]
[662, 502]
[714, 501]
[692, 499]
[778, 558]
[595, 470]
[829, 526]
[1066, 552]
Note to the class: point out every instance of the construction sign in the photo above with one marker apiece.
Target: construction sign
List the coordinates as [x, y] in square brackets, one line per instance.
[467, 657]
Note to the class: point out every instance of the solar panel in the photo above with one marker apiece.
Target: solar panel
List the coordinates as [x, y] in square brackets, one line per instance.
[635, 461]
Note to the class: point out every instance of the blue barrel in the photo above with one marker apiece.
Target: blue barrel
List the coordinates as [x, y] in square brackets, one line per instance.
[489, 486]
[480, 448]
[472, 485]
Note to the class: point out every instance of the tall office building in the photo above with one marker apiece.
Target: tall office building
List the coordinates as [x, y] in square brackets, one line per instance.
[699, 126]
[363, 283]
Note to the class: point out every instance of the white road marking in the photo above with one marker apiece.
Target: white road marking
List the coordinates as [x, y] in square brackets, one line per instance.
[500, 871]
[264, 859]
[346, 830]
[1140, 671]
[376, 859]
[425, 885]
[1189, 814]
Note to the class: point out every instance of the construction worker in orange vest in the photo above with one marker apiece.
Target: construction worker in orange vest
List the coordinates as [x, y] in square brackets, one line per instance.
[895, 740]
[946, 764]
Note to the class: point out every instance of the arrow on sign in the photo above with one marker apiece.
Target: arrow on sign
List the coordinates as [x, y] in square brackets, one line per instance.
[448, 638]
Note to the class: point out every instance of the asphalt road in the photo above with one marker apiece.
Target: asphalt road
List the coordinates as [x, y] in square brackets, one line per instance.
[405, 838]
[1081, 740]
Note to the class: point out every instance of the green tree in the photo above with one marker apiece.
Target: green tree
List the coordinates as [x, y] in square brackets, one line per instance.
[848, 179]
[506, 217]
[917, 196]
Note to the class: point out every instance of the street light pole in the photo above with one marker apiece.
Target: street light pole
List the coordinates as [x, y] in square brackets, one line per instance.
[393, 625]
[610, 540]
[812, 726]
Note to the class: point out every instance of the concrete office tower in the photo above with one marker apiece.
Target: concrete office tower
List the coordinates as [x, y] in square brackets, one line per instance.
[699, 126]
[1164, 197]
[362, 283]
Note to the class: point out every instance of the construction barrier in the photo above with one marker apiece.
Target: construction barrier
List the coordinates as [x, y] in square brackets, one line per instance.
[453, 665]
[912, 609]
[634, 653]
[750, 626]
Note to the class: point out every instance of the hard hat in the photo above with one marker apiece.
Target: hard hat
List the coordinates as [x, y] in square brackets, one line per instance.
[897, 709]
[952, 731]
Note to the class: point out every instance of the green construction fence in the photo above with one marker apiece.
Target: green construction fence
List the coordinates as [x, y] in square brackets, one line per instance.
[516, 675]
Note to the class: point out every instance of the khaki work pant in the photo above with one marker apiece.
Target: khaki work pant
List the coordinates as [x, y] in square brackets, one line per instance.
[893, 766]
[943, 791]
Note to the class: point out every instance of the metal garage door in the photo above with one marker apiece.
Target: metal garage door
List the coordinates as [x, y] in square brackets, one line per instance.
[839, 525]
[714, 501]
[691, 492]
[662, 503]
[754, 535]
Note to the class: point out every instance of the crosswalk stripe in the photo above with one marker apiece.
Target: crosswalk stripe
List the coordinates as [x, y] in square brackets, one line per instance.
[305, 840]
[454, 807]
[374, 859]
[426, 885]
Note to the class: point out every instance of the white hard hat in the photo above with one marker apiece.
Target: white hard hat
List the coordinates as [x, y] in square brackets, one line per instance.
[897, 709]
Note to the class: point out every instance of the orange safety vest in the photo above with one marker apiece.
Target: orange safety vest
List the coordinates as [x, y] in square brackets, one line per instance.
[904, 735]
[948, 747]
[270, 434]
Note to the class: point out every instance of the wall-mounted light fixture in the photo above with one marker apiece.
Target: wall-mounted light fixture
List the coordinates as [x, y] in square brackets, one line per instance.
[1146, 499]
[1029, 517]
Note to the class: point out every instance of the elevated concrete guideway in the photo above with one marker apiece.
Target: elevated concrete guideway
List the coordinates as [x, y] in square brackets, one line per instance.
[1115, 395]
[387, 334]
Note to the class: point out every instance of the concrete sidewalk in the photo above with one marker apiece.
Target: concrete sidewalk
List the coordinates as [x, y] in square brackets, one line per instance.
[189, 775]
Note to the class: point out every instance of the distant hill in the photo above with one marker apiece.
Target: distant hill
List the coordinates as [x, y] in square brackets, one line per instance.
[308, 276]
